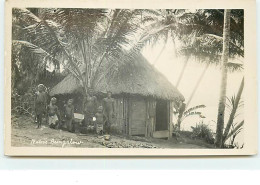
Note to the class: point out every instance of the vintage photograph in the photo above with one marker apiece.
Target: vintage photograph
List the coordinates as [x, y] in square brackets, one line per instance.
[127, 78]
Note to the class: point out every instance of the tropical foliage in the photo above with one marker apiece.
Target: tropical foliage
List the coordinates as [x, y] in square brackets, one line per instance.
[23, 104]
[78, 39]
[202, 131]
[197, 35]
[234, 105]
[236, 128]
[208, 35]
[88, 37]
[234, 124]
[183, 113]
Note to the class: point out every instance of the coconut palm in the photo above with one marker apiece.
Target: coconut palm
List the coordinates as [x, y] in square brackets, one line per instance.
[163, 25]
[206, 47]
[199, 33]
[78, 39]
[211, 44]
[199, 36]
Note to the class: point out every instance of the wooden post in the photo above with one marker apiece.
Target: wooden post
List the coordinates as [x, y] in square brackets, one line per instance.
[170, 113]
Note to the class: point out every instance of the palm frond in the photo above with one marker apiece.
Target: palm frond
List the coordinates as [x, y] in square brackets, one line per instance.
[235, 130]
[193, 108]
[47, 35]
[234, 104]
[192, 113]
[33, 48]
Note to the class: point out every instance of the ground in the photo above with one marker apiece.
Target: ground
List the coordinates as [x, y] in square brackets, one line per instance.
[24, 133]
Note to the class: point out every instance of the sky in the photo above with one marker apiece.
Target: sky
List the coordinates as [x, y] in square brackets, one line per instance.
[208, 91]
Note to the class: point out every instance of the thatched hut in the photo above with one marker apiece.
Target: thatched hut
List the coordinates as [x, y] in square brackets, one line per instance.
[144, 97]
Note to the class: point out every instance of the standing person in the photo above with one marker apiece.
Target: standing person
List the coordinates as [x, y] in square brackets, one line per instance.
[40, 104]
[69, 114]
[53, 114]
[90, 107]
[109, 109]
[100, 121]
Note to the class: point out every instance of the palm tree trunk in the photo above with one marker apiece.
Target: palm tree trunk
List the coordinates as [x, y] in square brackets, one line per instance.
[223, 87]
[233, 112]
[182, 71]
[197, 84]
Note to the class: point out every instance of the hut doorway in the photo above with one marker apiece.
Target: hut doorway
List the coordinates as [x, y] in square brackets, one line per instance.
[161, 115]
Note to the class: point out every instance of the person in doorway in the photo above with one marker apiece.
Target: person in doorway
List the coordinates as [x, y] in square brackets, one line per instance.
[40, 104]
[90, 107]
[109, 111]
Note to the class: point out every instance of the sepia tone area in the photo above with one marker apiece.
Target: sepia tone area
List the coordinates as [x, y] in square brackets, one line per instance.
[127, 78]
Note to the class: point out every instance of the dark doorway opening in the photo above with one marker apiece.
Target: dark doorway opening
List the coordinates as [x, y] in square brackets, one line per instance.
[161, 115]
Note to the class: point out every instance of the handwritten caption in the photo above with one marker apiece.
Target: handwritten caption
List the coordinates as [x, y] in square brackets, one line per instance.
[53, 141]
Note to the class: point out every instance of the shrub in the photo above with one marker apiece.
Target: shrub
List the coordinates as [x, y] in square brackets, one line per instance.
[22, 103]
[202, 131]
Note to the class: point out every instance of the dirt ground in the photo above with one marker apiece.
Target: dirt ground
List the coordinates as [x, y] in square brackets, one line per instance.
[24, 133]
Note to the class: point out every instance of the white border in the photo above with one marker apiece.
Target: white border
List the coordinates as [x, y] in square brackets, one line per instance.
[250, 77]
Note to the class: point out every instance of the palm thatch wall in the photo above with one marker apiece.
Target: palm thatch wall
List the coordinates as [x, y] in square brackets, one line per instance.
[134, 76]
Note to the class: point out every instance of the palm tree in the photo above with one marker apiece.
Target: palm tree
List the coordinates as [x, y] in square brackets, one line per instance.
[199, 36]
[81, 40]
[206, 46]
[166, 25]
[222, 98]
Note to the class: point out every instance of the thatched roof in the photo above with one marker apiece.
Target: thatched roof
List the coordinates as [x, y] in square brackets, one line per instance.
[135, 76]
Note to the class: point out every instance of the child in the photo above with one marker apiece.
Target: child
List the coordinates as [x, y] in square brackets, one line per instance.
[40, 104]
[53, 114]
[69, 114]
[100, 120]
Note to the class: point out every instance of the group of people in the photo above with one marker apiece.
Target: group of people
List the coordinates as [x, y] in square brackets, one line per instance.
[99, 116]
[51, 111]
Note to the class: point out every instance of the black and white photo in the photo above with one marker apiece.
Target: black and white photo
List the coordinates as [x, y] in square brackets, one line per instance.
[153, 79]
